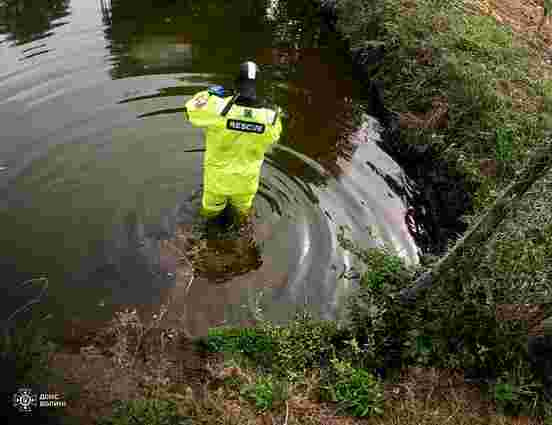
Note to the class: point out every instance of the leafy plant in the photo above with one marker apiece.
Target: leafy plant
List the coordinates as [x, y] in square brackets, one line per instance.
[357, 391]
[145, 412]
[374, 314]
[383, 265]
[389, 269]
[504, 392]
[515, 399]
[265, 392]
[300, 344]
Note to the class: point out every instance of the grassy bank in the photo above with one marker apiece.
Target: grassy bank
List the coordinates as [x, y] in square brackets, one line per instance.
[480, 94]
[390, 364]
[493, 81]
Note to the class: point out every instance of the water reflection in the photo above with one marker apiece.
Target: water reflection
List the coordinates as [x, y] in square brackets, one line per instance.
[105, 7]
[29, 20]
[109, 169]
[165, 37]
[325, 91]
[183, 37]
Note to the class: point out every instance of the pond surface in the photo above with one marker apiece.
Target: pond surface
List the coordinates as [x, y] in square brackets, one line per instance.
[98, 166]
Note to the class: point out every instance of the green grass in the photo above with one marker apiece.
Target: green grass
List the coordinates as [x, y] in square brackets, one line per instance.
[149, 411]
[241, 340]
[470, 57]
[284, 350]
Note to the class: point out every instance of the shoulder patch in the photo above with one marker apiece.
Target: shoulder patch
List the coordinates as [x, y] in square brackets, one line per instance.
[201, 101]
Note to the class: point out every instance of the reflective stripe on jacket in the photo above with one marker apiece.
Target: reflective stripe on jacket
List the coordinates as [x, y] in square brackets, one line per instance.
[234, 144]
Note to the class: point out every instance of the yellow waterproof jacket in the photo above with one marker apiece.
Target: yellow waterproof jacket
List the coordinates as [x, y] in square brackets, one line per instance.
[235, 144]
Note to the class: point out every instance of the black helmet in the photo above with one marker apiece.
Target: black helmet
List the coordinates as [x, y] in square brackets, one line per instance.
[247, 80]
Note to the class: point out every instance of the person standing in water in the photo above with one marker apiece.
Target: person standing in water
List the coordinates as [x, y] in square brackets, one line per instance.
[238, 132]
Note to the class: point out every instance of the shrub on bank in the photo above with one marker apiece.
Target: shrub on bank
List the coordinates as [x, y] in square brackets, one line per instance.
[356, 390]
[266, 393]
[499, 108]
[452, 327]
[283, 350]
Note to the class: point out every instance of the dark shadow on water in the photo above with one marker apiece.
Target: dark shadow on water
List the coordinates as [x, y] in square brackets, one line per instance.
[29, 20]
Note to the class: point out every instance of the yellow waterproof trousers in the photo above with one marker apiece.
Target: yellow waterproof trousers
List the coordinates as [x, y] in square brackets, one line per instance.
[212, 204]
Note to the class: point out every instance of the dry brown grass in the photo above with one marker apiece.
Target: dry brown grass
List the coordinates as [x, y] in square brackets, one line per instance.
[200, 384]
[436, 117]
[532, 314]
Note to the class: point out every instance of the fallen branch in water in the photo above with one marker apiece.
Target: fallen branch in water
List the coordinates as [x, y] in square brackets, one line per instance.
[31, 302]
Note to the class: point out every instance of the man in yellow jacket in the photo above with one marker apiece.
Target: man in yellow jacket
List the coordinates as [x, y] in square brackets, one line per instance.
[238, 132]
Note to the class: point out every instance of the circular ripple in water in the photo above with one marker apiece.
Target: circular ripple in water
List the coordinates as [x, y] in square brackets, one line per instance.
[95, 169]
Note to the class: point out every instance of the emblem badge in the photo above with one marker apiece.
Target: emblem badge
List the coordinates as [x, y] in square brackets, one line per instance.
[201, 101]
[24, 400]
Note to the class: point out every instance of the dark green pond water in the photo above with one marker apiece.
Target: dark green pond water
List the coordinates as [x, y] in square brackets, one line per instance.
[97, 163]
